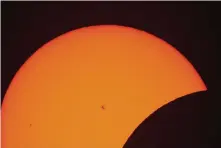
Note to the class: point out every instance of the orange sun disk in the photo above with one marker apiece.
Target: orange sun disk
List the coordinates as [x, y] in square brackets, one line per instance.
[92, 87]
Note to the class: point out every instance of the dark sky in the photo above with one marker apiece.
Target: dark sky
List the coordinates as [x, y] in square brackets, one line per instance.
[191, 27]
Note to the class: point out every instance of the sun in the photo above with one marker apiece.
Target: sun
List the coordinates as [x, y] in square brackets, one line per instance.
[92, 87]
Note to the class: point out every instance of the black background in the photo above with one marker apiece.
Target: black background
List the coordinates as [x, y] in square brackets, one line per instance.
[191, 27]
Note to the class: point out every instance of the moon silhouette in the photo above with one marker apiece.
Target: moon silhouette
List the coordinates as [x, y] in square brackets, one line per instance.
[98, 81]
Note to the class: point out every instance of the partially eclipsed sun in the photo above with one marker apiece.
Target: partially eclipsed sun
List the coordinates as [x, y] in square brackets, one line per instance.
[92, 87]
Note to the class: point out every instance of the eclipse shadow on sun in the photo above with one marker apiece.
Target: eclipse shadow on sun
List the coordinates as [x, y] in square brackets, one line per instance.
[183, 123]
